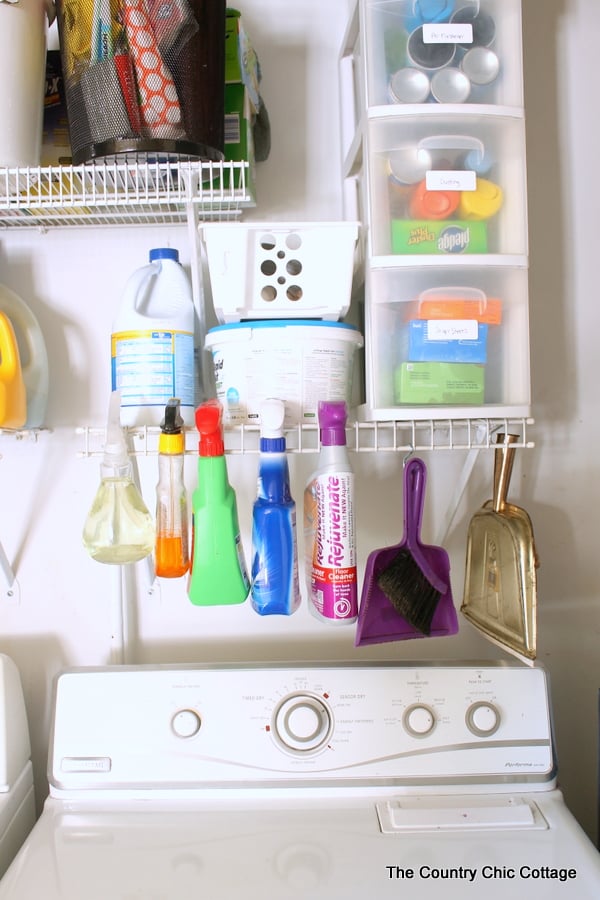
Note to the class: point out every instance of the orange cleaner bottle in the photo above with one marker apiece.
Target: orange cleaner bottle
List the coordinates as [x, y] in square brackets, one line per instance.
[171, 554]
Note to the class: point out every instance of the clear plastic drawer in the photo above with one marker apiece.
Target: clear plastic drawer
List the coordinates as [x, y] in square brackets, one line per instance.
[445, 184]
[448, 341]
[443, 51]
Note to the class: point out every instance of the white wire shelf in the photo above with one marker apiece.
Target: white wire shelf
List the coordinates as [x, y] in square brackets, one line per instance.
[122, 193]
[362, 437]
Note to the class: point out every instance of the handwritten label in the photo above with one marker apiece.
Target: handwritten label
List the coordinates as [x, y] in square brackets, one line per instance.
[452, 330]
[451, 33]
[450, 180]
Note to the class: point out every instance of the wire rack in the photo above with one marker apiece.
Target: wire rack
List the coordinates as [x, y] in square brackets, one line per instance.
[122, 192]
[362, 437]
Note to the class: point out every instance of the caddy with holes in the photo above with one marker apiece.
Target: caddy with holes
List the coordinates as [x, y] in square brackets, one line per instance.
[280, 270]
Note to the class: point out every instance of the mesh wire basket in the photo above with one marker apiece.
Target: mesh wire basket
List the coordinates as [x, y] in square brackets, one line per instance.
[144, 77]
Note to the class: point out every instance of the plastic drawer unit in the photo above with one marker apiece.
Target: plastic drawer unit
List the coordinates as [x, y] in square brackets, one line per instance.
[434, 164]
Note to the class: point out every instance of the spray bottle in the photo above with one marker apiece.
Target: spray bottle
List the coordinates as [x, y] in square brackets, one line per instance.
[329, 527]
[275, 587]
[171, 550]
[218, 575]
[118, 528]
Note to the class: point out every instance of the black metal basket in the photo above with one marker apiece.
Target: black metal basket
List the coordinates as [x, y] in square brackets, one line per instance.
[144, 77]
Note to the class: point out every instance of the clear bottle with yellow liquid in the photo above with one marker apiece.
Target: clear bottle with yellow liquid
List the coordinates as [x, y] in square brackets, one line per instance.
[119, 528]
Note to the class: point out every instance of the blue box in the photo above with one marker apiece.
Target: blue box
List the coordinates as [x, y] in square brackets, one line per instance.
[437, 340]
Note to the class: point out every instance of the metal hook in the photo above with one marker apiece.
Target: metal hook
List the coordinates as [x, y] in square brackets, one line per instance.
[408, 455]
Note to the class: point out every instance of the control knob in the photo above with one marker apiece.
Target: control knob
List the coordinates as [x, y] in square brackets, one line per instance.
[302, 723]
[419, 720]
[483, 718]
[186, 723]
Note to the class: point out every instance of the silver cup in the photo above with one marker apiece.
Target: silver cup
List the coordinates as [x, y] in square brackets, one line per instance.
[450, 86]
[481, 65]
[409, 85]
[409, 165]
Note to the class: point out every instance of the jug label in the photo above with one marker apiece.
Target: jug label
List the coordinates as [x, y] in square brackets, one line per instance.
[150, 367]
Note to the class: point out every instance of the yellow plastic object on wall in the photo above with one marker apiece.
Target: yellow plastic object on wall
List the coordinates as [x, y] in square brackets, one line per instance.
[13, 397]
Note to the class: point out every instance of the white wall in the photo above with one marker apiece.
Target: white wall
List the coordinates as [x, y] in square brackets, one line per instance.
[73, 279]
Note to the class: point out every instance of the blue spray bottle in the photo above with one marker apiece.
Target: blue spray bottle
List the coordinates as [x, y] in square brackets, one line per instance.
[275, 584]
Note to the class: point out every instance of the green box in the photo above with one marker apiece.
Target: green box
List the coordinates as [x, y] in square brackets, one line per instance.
[242, 98]
[447, 237]
[439, 384]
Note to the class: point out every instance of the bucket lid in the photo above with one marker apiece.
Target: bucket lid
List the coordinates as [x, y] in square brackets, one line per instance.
[344, 330]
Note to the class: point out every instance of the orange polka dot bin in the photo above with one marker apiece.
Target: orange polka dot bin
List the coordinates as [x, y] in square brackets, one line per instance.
[159, 105]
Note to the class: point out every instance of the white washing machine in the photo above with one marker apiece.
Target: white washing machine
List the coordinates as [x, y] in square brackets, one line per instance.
[17, 801]
[294, 783]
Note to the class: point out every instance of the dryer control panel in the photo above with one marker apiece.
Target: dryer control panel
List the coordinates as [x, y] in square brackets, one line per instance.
[198, 727]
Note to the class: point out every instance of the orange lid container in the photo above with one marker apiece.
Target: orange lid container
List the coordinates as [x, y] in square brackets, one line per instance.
[459, 303]
[433, 205]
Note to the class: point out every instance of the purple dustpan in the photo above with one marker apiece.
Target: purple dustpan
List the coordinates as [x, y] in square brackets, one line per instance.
[378, 620]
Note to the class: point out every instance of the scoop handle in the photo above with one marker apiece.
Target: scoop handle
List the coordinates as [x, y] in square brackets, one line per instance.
[504, 457]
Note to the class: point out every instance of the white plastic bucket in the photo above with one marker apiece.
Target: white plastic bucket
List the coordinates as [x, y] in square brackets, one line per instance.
[297, 361]
[23, 25]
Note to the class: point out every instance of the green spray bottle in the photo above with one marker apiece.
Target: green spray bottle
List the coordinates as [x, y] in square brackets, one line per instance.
[218, 574]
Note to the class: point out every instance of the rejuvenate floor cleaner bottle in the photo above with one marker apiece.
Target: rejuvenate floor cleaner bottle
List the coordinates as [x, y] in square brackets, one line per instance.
[275, 588]
[329, 527]
[218, 575]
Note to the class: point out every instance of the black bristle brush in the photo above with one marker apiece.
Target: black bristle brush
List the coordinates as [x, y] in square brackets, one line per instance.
[410, 591]
[408, 579]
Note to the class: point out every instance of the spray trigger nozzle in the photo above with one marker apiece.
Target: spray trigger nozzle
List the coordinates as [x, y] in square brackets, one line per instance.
[209, 424]
[115, 448]
[272, 417]
[172, 422]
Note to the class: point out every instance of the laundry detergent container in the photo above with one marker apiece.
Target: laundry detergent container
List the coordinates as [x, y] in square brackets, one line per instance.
[295, 360]
[144, 77]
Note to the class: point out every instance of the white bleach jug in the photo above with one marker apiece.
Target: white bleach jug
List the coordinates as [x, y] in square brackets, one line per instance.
[152, 345]
[23, 33]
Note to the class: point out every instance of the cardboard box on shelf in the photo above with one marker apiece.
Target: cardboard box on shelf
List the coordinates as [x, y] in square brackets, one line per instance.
[439, 384]
[244, 106]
